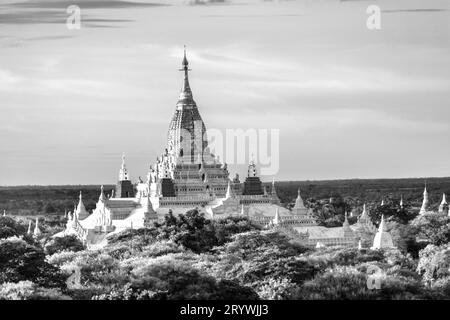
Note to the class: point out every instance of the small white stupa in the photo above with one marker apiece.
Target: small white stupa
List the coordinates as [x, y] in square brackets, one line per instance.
[80, 210]
[37, 232]
[443, 207]
[320, 245]
[383, 239]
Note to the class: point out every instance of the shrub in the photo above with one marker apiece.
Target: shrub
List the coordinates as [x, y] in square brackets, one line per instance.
[66, 243]
[21, 261]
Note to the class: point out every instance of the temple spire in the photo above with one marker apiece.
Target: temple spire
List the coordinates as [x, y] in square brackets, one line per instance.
[381, 226]
[274, 192]
[229, 192]
[443, 207]
[80, 210]
[276, 219]
[37, 231]
[425, 203]
[186, 89]
[102, 194]
[123, 172]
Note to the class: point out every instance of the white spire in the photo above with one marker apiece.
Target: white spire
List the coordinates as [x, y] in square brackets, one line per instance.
[444, 199]
[299, 207]
[242, 210]
[29, 228]
[382, 239]
[4, 212]
[149, 206]
[401, 201]
[425, 203]
[36, 232]
[123, 172]
[382, 202]
[276, 219]
[444, 205]
[381, 226]
[359, 245]
[228, 194]
[80, 210]
[102, 195]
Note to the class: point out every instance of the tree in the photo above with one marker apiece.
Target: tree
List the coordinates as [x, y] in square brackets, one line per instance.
[68, 243]
[27, 290]
[11, 228]
[434, 228]
[169, 279]
[434, 262]
[20, 261]
[392, 211]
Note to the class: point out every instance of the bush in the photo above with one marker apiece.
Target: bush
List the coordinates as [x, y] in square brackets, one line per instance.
[20, 261]
[434, 262]
[66, 243]
[27, 290]
[11, 228]
[165, 278]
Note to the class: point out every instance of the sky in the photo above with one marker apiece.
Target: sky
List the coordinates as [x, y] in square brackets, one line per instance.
[348, 102]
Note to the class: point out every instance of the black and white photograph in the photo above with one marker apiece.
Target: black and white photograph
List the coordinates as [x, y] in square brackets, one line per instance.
[226, 155]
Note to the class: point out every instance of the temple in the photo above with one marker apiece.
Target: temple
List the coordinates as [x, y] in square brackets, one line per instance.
[185, 176]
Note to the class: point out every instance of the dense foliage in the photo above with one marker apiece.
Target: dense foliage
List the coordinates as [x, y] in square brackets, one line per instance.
[191, 257]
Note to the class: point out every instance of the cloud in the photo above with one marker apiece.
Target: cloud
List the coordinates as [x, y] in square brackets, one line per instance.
[84, 4]
[414, 10]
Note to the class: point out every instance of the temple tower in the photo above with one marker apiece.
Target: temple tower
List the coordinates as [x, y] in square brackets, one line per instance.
[425, 203]
[252, 184]
[443, 207]
[81, 211]
[276, 220]
[187, 140]
[299, 207]
[187, 167]
[124, 187]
